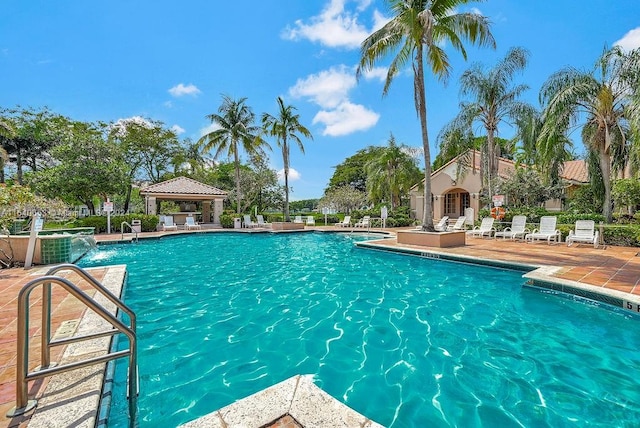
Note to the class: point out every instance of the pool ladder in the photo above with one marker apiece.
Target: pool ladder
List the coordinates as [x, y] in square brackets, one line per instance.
[23, 376]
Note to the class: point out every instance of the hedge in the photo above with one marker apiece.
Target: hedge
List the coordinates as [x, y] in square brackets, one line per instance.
[148, 222]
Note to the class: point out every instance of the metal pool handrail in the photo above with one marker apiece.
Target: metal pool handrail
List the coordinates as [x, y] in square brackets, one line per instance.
[23, 376]
[135, 232]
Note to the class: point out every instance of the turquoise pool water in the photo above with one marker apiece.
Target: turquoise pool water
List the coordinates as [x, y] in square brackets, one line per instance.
[406, 341]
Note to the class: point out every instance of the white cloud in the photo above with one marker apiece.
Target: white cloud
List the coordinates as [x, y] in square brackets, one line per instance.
[334, 27]
[346, 119]
[120, 126]
[293, 175]
[181, 89]
[178, 129]
[168, 104]
[208, 129]
[379, 73]
[327, 88]
[630, 41]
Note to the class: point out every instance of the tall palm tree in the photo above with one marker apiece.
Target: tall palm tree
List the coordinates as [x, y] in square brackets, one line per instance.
[235, 128]
[285, 127]
[391, 174]
[494, 99]
[419, 28]
[546, 154]
[601, 100]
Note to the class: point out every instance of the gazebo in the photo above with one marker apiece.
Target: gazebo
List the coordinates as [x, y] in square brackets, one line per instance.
[191, 195]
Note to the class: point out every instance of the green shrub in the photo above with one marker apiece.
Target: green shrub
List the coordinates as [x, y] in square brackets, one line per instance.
[570, 218]
[99, 223]
[626, 236]
[226, 220]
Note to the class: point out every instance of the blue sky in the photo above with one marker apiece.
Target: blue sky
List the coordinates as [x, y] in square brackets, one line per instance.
[171, 61]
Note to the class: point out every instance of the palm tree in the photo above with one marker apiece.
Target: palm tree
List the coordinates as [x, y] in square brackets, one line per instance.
[391, 174]
[234, 128]
[493, 100]
[602, 98]
[546, 154]
[419, 28]
[285, 127]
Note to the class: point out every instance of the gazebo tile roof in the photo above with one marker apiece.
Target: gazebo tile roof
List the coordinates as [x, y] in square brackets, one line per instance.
[182, 186]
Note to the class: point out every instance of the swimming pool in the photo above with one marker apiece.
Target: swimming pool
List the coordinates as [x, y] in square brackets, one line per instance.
[406, 341]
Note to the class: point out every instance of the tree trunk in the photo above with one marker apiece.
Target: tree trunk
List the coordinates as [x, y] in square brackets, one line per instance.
[127, 199]
[421, 106]
[605, 169]
[237, 165]
[19, 166]
[285, 160]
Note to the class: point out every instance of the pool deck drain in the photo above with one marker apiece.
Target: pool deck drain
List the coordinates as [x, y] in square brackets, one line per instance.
[612, 272]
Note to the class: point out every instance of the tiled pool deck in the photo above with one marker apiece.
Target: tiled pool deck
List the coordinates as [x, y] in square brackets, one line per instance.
[611, 271]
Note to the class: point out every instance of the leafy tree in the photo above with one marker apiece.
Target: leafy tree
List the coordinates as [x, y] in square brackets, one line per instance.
[34, 133]
[420, 27]
[147, 147]
[234, 128]
[87, 166]
[285, 127]
[603, 98]
[352, 172]
[343, 199]
[493, 100]
[391, 174]
[525, 188]
[626, 193]
[586, 199]
[304, 205]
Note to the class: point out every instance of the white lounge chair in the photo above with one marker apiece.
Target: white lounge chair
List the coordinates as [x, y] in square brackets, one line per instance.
[485, 229]
[311, 221]
[458, 226]
[298, 219]
[518, 228]
[190, 223]
[248, 223]
[344, 223]
[261, 222]
[547, 231]
[441, 226]
[584, 233]
[168, 223]
[363, 222]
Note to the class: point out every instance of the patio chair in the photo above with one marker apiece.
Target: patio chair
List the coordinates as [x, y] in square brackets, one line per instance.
[584, 232]
[261, 222]
[363, 222]
[311, 221]
[458, 225]
[190, 223]
[485, 229]
[168, 223]
[547, 231]
[248, 223]
[344, 223]
[518, 228]
[441, 226]
[298, 219]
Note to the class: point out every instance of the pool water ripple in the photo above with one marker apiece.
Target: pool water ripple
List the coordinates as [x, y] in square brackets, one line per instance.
[406, 341]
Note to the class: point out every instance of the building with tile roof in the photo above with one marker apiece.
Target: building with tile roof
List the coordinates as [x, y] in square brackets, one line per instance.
[195, 199]
[456, 186]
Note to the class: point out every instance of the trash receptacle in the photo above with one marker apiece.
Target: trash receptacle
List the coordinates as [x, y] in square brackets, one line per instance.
[136, 226]
[237, 223]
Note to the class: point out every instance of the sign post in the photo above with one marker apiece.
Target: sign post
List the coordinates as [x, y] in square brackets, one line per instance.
[384, 213]
[108, 208]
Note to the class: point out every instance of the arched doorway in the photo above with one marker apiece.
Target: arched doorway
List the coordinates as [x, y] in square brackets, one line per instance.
[455, 201]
